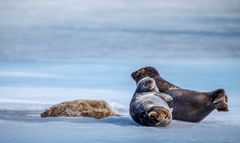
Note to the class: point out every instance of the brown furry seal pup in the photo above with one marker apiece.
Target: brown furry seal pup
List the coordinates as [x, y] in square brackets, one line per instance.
[149, 107]
[87, 108]
[188, 105]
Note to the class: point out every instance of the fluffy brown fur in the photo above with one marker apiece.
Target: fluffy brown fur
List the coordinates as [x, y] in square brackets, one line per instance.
[87, 108]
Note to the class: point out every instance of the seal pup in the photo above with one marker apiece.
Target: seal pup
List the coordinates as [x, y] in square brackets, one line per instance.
[149, 107]
[188, 105]
[87, 108]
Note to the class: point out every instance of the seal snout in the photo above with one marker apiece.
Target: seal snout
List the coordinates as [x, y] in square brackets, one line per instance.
[150, 83]
[134, 75]
[159, 116]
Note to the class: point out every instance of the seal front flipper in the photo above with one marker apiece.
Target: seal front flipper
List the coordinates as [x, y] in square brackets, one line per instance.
[166, 97]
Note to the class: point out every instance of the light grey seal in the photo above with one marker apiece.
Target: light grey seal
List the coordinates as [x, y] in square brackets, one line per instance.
[149, 107]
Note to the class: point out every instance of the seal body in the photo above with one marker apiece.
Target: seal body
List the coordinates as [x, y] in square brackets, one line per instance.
[194, 106]
[149, 107]
[87, 108]
[188, 105]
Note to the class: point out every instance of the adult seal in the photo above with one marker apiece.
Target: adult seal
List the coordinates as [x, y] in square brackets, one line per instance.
[148, 107]
[188, 105]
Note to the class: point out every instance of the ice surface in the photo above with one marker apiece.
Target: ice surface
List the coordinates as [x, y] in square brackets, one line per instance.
[23, 127]
[23, 98]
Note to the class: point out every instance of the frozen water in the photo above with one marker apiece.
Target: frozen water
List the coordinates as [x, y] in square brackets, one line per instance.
[23, 98]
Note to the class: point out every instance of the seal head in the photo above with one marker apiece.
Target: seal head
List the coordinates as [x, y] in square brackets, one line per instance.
[162, 84]
[147, 84]
[144, 72]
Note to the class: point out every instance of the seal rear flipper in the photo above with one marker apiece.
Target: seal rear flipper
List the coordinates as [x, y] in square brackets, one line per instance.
[159, 116]
[220, 99]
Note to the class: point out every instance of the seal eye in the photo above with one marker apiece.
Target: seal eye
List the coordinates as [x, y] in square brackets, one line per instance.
[144, 85]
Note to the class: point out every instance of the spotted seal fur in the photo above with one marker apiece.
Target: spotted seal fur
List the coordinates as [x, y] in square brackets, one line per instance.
[149, 107]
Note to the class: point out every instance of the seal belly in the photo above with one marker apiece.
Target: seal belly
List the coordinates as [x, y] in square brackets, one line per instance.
[150, 110]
